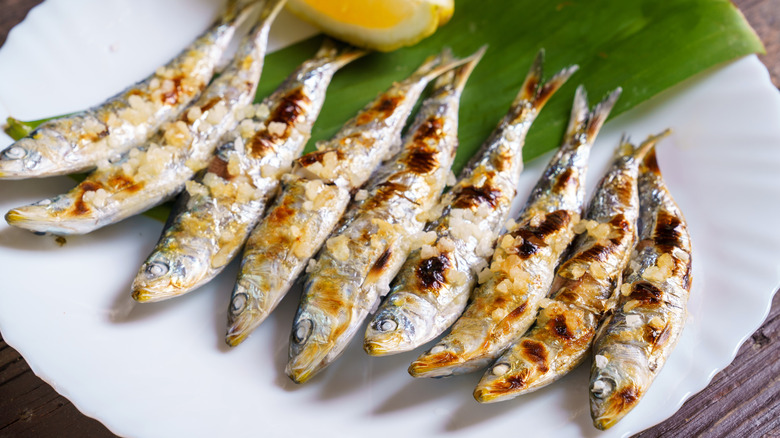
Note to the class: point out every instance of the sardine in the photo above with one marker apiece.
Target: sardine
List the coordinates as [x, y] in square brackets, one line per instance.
[84, 140]
[634, 342]
[225, 204]
[148, 175]
[521, 270]
[354, 269]
[314, 198]
[582, 291]
[430, 293]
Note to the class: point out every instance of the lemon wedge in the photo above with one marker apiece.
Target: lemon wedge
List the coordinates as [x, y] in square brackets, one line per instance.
[375, 24]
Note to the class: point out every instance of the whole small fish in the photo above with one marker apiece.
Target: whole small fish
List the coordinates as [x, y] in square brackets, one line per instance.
[147, 175]
[521, 270]
[84, 140]
[225, 204]
[634, 342]
[582, 291]
[310, 205]
[354, 269]
[431, 292]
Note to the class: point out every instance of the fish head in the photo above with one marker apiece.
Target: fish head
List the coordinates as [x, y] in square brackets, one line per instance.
[617, 385]
[401, 324]
[169, 272]
[34, 155]
[310, 343]
[504, 380]
[248, 308]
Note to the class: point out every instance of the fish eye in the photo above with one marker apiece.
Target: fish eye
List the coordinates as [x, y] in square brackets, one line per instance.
[500, 369]
[14, 153]
[601, 387]
[438, 348]
[302, 331]
[386, 325]
[157, 269]
[238, 303]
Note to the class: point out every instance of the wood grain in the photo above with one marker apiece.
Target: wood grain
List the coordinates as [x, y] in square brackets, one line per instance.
[743, 400]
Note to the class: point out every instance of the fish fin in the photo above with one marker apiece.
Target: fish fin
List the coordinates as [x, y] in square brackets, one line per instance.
[457, 78]
[534, 91]
[340, 53]
[436, 65]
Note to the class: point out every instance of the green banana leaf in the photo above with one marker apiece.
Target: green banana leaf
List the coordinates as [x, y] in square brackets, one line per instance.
[643, 46]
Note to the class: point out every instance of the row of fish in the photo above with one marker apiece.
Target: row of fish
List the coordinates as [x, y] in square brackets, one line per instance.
[367, 207]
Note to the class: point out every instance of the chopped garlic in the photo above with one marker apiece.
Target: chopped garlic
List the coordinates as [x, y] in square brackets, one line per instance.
[277, 128]
[361, 195]
[601, 362]
[633, 320]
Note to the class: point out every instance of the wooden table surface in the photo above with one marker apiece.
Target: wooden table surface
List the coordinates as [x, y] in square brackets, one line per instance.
[743, 400]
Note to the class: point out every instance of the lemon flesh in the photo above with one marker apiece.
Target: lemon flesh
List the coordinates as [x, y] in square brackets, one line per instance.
[375, 24]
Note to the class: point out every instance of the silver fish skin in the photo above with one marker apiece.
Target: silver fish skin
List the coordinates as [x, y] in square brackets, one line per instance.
[86, 139]
[309, 207]
[148, 175]
[431, 292]
[505, 303]
[635, 341]
[225, 204]
[354, 269]
[583, 289]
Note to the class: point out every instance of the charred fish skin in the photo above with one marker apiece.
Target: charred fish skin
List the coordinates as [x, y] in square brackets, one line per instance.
[505, 303]
[147, 175]
[634, 342]
[431, 292]
[226, 203]
[354, 269]
[84, 140]
[309, 206]
[584, 287]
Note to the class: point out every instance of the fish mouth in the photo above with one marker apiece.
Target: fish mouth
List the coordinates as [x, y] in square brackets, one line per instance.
[146, 294]
[30, 218]
[241, 327]
[307, 363]
[384, 344]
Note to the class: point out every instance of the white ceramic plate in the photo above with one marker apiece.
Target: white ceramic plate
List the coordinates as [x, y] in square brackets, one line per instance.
[163, 370]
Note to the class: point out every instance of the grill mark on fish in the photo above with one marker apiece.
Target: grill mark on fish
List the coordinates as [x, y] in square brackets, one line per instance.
[381, 262]
[654, 336]
[172, 97]
[666, 235]
[80, 207]
[510, 383]
[646, 293]
[291, 106]
[470, 196]
[207, 106]
[219, 167]
[421, 160]
[560, 328]
[517, 312]
[431, 272]
[534, 237]
[535, 352]
[568, 176]
[384, 192]
[381, 109]
[596, 253]
[318, 156]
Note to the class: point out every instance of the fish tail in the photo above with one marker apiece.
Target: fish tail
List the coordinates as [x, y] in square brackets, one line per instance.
[338, 53]
[457, 77]
[237, 11]
[584, 123]
[270, 9]
[436, 65]
[598, 116]
[536, 92]
[648, 146]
